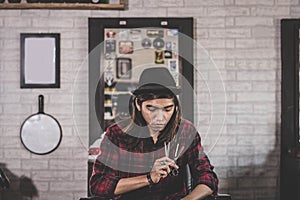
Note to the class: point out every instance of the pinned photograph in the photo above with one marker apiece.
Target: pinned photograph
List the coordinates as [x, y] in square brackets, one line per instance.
[111, 34]
[172, 65]
[146, 43]
[158, 43]
[171, 32]
[135, 35]
[123, 35]
[168, 54]
[174, 46]
[110, 49]
[125, 47]
[169, 46]
[110, 46]
[123, 68]
[159, 57]
[155, 33]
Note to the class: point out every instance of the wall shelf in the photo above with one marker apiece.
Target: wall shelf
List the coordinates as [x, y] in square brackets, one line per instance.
[82, 6]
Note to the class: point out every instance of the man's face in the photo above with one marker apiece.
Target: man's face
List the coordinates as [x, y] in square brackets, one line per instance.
[157, 113]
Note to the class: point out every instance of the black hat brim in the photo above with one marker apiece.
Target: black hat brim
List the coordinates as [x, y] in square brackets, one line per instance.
[156, 90]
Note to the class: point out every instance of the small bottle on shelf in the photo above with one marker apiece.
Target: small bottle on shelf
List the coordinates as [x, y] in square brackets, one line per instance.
[108, 114]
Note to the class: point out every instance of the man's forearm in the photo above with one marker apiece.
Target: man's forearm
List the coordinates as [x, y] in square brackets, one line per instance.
[128, 184]
[201, 191]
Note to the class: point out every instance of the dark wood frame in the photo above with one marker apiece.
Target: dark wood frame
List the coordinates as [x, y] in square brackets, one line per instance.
[96, 37]
[63, 5]
[25, 36]
[290, 159]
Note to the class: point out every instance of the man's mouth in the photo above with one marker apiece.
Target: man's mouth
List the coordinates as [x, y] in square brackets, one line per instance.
[158, 126]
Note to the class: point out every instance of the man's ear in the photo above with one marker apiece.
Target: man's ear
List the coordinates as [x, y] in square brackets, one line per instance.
[137, 104]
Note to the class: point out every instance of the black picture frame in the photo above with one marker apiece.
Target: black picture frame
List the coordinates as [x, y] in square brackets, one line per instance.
[40, 60]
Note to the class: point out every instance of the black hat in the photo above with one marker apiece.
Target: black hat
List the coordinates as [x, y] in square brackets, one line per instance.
[156, 80]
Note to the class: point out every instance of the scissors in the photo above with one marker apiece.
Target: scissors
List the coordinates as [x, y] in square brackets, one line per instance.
[174, 171]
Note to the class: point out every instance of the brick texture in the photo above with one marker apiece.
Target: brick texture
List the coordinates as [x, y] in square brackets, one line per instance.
[240, 42]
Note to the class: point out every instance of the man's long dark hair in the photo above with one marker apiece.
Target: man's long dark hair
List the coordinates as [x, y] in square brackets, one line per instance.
[138, 121]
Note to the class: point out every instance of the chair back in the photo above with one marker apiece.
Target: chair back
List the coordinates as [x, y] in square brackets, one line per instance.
[189, 187]
[4, 181]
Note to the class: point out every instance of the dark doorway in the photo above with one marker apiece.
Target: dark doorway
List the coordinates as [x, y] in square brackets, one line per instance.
[290, 138]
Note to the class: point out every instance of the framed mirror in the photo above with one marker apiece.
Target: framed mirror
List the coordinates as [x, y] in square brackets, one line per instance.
[41, 133]
[40, 60]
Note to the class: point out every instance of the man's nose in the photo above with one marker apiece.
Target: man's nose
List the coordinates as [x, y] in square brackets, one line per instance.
[160, 115]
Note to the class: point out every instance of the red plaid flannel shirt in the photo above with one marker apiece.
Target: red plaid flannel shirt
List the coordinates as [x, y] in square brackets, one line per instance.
[116, 161]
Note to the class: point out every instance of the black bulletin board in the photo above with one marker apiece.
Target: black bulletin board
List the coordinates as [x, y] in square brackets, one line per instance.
[140, 28]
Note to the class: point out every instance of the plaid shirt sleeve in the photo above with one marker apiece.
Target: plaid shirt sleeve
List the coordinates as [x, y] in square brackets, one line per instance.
[104, 179]
[201, 169]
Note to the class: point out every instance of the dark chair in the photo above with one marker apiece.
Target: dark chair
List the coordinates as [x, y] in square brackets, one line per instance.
[4, 182]
[189, 185]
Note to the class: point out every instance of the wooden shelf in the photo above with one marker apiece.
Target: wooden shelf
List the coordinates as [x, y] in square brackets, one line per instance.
[83, 6]
[117, 93]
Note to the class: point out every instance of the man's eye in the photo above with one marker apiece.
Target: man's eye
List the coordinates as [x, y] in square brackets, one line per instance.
[151, 109]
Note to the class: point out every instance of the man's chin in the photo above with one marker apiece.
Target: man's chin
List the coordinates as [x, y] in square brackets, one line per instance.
[157, 128]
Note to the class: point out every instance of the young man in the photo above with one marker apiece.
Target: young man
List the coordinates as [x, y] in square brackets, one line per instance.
[145, 157]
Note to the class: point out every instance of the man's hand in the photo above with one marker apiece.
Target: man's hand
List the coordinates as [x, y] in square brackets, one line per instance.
[161, 168]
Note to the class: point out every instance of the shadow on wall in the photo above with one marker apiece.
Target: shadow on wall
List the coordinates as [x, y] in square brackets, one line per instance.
[253, 181]
[20, 188]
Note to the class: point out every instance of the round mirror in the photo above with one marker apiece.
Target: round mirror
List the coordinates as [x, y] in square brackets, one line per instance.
[41, 133]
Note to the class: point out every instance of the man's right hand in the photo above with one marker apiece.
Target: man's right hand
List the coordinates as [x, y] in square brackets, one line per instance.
[161, 168]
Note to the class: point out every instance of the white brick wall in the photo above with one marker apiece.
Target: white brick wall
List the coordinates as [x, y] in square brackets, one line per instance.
[241, 36]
